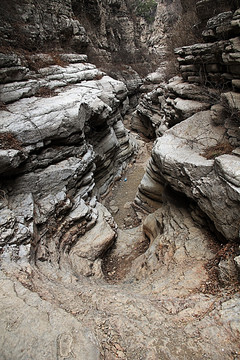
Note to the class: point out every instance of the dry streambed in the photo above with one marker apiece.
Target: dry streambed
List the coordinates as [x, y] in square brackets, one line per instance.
[120, 199]
[131, 241]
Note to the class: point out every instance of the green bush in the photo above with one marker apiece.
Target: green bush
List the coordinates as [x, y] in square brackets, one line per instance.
[146, 9]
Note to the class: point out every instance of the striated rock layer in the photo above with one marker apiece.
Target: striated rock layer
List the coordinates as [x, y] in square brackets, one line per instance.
[62, 144]
[199, 155]
[170, 302]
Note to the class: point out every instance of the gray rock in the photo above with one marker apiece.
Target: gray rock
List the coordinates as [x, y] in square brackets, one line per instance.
[9, 60]
[44, 337]
[230, 312]
[232, 101]
[186, 108]
[13, 73]
[74, 58]
[10, 159]
[185, 90]
[178, 157]
[227, 271]
[114, 209]
[228, 168]
[94, 243]
[218, 114]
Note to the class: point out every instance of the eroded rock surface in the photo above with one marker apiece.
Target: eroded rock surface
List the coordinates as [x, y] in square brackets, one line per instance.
[194, 156]
[72, 284]
[63, 143]
[170, 301]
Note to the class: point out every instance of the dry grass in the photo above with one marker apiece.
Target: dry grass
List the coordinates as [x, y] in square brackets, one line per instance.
[8, 141]
[44, 91]
[36, 63]
[98, 77]
[217, 150]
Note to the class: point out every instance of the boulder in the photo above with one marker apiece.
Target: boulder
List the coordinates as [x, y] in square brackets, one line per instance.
[186, 108]
[10, 159]
[92, 245]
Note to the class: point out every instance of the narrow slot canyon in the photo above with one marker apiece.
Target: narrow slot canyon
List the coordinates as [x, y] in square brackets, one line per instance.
[120, 180]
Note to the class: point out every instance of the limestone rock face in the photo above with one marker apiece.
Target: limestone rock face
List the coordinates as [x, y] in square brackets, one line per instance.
[217, 60]
[34, 25]
[63, 295]
[109, 31]
[194, 156]
[169, 104]
[62, 144]
[207, 8]
[178, 158]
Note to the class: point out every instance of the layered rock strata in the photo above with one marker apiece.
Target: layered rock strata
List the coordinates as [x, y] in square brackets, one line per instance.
[208, 8]
[169, 302]
[62, 144]
[202, 67]
[33, 26]
[109, 31]
[199, 155]
[216, 61]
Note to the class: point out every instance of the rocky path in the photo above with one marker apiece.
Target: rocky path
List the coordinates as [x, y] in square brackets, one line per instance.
[164, 316]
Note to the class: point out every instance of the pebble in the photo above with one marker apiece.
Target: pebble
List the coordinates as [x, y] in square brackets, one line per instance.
[120, 354]
[114, 209]
[127, 205]
[118, 347]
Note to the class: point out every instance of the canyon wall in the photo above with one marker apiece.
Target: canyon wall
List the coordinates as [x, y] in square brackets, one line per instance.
[199, 155]
[74, 285]
[63, 144]
[119, 32]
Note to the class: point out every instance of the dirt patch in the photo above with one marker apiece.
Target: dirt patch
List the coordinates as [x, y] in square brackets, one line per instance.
[131, 241]
[117, 262]
[120, 200]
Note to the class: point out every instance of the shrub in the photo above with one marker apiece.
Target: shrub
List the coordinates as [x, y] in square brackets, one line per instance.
[8, 141]
[217, 150]
[146, 9]
[44, 91]
[38, 61]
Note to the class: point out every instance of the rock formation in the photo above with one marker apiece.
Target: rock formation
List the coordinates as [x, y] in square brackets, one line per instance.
[62, 144]
[117, 32]
[74, 285]
[198, 156]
